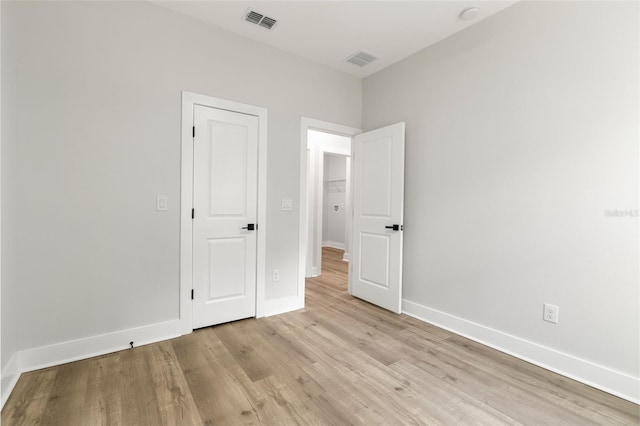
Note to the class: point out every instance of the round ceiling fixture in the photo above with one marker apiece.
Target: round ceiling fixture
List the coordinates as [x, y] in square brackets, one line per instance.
[469, 14]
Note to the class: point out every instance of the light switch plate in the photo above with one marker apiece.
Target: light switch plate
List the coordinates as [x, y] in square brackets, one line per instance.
[287, 204]
[161, 203]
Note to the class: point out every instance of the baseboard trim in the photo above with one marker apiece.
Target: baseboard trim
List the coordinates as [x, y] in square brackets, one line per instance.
[10, 376]
[78, 349]
[314, 272]
[281, 306]
[333, 244]
[346, 257]
[598, 376]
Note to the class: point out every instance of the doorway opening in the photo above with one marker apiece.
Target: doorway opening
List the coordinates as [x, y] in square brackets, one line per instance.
[375, 261]
[325, 164]
[328, 196]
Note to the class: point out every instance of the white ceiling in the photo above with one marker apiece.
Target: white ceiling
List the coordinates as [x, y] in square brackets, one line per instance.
[328, 32]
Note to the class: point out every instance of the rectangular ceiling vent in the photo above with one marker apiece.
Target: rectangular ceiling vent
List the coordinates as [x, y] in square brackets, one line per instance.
[259, 19]
[361, 59]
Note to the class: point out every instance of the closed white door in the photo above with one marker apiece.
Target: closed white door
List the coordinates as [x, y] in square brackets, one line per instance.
[224, 217]
[378, 201]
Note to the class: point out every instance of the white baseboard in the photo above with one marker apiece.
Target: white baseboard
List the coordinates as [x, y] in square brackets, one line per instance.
[333, 244]
[598, 376]
[346, 257]
[10, 376]
[281, 306]
[74, 350]
[314, 272]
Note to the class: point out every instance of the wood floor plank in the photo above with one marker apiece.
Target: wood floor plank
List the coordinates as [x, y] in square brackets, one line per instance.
[103, 399]
[240, 339]
[218, 385]
[375, 388]
[339, 361]
[139, 403]
[66, 400]
[29, 399]
[175, 400]
[556, 389]
[445, 401]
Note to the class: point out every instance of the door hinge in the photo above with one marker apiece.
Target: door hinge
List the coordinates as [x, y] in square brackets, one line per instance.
[191, 294]
[194, 131]
[193, 213]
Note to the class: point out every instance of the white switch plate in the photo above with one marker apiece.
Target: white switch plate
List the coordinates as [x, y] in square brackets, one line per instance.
[161, 203]
[287, 204]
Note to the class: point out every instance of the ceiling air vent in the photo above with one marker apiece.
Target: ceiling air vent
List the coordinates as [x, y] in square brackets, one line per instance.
[361, 59]
[259, 19]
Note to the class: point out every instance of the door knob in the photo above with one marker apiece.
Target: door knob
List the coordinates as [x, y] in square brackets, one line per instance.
[394, 227]
[250, 227]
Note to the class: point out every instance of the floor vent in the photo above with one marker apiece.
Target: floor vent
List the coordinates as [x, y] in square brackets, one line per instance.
[259, 19]
[361, 59]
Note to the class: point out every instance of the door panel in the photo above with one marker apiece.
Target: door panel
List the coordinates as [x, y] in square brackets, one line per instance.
[225, 202]
[373, 249]
[227, 260]
[376, 172]
[378, 199]
[228, 178]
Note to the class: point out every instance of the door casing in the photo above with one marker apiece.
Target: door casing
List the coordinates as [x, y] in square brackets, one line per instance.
[189, 100]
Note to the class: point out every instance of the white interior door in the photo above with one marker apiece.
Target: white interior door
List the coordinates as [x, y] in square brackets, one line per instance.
[378, 199]
[225, 211]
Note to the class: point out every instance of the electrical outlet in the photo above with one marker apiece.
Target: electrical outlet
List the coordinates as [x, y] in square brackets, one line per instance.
[550, 313]
[275, 276]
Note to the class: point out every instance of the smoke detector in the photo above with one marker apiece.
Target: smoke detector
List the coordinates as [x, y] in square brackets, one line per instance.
[361, 58]
[259, 19]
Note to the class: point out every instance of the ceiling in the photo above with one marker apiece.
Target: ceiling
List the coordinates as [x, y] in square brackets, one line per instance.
[328, 32]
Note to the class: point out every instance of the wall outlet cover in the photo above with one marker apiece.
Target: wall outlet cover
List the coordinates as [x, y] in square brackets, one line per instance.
[551, 313]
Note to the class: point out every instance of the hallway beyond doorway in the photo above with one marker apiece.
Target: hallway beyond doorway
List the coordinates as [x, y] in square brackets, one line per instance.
[331, 284]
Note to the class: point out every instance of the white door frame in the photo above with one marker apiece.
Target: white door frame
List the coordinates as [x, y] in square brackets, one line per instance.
[307, 124]
[189, 100]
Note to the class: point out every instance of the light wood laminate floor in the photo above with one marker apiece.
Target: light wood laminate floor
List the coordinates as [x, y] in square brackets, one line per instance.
[340, 361]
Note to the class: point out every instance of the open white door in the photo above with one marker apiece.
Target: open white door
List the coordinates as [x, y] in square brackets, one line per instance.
[378, 201]
[225, 212]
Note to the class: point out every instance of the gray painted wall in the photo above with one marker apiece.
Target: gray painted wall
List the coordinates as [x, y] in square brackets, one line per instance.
[521, 131]
[97, 104]
[9, 288]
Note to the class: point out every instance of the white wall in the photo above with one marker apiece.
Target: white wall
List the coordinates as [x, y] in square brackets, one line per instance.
[97, 101]
[335, 176]
[521, 131]
[10, 309]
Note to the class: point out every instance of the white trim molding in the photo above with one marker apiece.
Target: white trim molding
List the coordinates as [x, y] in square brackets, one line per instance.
[598, 376]
[333, 244]
[283, 305]
[189, 100]
[10, 376]
[74, 350]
